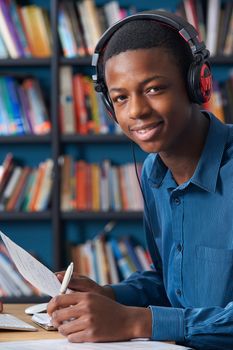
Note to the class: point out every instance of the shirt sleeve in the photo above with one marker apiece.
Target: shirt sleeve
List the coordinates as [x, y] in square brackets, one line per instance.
[141, 289]
[199, 328]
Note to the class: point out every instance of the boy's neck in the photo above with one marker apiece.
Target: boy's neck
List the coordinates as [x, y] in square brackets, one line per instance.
[183, 161]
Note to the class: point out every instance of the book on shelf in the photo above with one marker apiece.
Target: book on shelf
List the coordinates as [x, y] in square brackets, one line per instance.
[11, 281]
[6, 170]
[107, 259]
[15, 16]
[23, 188]
[228, 47]
[99, 186]
[10, 187]
[67, 113]
[18, 189]
[213, 19]
[9, 33]
[22, 107]
[37, 30]
[37, 110]
[76, 28]
[3, 49]
[66, 34]
[81, 109]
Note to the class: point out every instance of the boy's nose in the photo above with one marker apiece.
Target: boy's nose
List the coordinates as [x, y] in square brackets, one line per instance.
[138, 107]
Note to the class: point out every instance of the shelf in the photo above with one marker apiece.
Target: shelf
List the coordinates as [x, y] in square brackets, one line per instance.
[221, 60]
[121, 215]
[25, 299]
[45, 215]
[25, 139]
[81, 61]
[94, 138]
[21, 62]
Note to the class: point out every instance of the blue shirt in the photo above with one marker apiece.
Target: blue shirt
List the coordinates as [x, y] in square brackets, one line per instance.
[189, 232]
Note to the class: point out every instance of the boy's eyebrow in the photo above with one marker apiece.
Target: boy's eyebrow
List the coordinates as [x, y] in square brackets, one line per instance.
[143, 82]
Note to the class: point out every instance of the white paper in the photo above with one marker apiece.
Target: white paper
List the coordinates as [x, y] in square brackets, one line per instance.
[61, 344]
[31, 269]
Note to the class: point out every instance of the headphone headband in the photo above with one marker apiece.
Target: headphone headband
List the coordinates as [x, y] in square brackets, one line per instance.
[185, 29]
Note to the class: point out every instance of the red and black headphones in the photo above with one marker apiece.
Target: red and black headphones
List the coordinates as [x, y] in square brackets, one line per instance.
[199, 79]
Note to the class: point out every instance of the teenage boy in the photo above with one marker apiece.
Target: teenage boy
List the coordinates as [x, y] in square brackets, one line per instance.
[187, 182]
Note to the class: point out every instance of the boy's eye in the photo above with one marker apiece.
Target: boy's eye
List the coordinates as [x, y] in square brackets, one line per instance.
[155, 89]
[118, 99]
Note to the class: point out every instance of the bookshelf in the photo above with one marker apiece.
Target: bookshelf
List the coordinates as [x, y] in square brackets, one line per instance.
[48, 232]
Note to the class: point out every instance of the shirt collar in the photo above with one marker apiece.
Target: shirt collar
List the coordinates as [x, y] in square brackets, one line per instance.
[206, 173]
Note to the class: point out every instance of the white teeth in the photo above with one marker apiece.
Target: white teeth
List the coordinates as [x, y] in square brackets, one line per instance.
[144, 131]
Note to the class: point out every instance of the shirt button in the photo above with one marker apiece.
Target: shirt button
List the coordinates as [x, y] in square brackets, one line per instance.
[178, 292]
[179, 247]
[177, 201]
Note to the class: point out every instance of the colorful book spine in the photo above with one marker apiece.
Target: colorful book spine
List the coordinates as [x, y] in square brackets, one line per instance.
[9, 33]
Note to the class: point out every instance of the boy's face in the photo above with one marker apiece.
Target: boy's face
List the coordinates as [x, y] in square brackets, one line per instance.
[149, 98]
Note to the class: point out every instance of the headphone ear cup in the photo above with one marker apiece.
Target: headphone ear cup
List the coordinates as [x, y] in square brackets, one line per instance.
[101, 89]
[199, 82]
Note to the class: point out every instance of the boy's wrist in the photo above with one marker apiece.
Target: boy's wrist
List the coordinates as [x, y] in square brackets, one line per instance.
[109, 292]
[140, 322]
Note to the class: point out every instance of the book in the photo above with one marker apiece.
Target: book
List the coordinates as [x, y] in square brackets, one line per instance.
[9, 33]
[37, 30]
[225, 25]
[10, 187]
[213, 16]
[67, 113]
[113, 270]
[141, 254]
[87, 33]
[37, 109]
[14, 13]
[17, 190]
[131, 252]
[6, 170]
[65, 164]
[66, 34]
[6, 105]
[79, 104]
[76, 28]
[44, 194]
[14, 104]
[3, 49]
[122, 262]
[92, 19]
[81, 187]
[101, 260]
[228, 47]
[112, 12]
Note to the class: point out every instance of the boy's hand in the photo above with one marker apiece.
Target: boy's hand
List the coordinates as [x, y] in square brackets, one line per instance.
[81, 283]
[90, 317]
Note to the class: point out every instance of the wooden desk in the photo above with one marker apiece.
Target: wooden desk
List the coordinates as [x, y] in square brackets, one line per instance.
[18, 310]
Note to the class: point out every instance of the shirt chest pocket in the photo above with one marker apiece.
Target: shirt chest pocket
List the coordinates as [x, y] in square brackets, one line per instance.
[213, 276]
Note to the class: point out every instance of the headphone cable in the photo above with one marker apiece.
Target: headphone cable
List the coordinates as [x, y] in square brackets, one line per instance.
[159, 266]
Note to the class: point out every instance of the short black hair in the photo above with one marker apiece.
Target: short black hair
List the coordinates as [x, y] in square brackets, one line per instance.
[146, 34]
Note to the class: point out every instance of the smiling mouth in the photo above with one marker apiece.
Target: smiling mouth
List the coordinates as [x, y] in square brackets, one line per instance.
[145, 129]
[147, 133]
